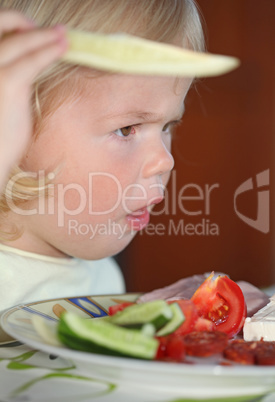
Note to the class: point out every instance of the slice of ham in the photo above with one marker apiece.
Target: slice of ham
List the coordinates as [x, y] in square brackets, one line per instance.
[182, 289]
[186, 287]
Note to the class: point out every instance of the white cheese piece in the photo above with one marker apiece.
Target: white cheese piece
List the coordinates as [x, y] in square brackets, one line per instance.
[261, 325]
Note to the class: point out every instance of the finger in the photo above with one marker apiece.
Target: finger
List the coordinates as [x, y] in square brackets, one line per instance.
[16, 46]
[12, 20]
[25, 69]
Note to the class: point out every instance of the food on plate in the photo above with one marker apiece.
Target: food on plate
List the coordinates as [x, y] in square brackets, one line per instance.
[129, 54]
[177, 328]
[206, 326]
[262, 324]
[255, 298]
[258, 352]
[118, 307]
[103, 337]
[165, 317]
[265, 353]
[205, 343]
[185, 288]
[182, 289]
[240, 352]
[174, 323]
[221, 300]
[190, 313]
[132, 332]
[217, 299]
[157, 312]
[171, 348]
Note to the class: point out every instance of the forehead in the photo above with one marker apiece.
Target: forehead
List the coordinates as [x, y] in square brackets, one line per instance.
[113, 92]
[134, 82]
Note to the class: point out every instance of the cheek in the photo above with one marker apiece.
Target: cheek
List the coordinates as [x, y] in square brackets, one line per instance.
[105, 192]
[95, 194]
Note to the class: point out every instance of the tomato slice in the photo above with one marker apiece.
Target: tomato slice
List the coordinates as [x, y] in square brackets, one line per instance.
[175, 348]
[171, 348]
[190, 313]
[203, 324]
[221, 300]
[161, 352]
[118, 307]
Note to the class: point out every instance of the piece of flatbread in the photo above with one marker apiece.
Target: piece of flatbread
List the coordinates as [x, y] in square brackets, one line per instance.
[128, 54]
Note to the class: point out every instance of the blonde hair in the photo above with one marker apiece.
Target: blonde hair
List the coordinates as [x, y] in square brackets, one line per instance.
[158, 20]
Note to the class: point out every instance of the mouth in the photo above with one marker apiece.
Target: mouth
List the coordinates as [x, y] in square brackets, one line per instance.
[140, 218]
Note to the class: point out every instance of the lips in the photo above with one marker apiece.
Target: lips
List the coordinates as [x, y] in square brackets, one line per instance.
[141, 217]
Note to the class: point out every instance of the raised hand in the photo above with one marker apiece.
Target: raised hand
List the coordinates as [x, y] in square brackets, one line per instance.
[25, 50]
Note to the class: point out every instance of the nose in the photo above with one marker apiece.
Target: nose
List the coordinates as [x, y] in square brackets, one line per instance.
[158, 161]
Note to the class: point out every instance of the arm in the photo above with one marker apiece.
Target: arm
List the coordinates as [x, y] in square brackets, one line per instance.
[25, 51]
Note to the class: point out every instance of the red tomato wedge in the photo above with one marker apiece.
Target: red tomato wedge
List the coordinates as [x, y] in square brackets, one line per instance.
[171, 348]
[221, 300]
[203, 324]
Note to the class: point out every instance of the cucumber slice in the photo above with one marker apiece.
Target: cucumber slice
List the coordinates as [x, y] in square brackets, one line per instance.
[176, 321]
[130, 54]
[156, 312]
[148, 330]
[99, 336]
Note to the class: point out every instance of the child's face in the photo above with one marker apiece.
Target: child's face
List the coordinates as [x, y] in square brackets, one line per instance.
[109, 178]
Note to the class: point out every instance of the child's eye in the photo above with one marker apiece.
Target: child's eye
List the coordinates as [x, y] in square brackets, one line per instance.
[125, 131]
[168, 128]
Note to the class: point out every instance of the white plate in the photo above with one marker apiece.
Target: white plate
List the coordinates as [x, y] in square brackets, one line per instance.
[193, 381]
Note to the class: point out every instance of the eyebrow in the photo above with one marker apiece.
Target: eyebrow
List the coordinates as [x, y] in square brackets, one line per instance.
[145, 116]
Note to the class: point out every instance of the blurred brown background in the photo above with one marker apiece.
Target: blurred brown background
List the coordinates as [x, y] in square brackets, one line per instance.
[227, 137]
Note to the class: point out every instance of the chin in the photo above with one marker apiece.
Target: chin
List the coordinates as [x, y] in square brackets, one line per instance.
[108, 248]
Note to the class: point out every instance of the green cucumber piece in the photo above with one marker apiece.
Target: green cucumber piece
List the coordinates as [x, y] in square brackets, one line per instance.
[156, 312]
[99, 336]
[129, 54]
[175, 322]
[148, 330]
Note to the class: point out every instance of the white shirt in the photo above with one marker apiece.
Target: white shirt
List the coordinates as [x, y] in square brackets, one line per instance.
[27, 277]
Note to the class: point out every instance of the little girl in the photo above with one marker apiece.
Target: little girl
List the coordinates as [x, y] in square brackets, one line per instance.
[84, 155]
